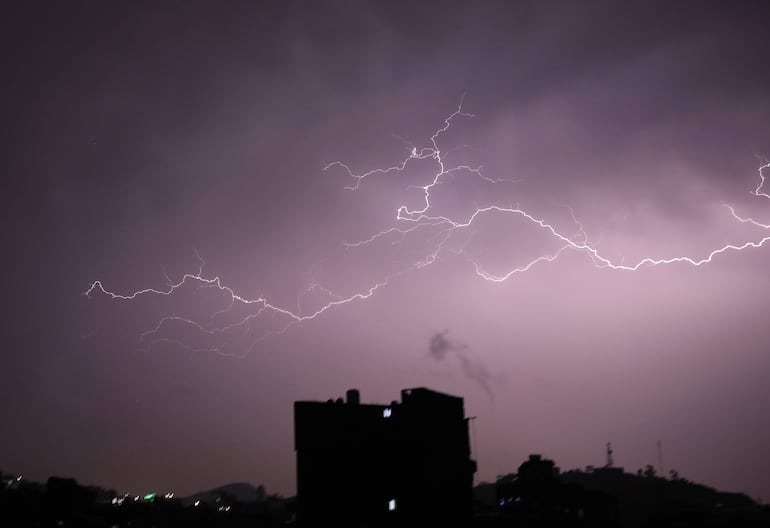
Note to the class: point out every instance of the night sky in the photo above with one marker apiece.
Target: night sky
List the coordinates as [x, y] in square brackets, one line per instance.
[145, 141]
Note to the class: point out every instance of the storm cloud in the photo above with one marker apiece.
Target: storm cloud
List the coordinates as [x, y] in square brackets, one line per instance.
[138, 134]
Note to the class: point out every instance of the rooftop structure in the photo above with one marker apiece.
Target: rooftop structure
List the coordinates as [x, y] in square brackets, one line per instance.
[399, 464]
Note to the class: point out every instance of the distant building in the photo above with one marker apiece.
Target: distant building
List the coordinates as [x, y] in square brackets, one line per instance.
[535, 496]
[403, 464]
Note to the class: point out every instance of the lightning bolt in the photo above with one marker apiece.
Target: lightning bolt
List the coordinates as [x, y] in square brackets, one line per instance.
[235, 321]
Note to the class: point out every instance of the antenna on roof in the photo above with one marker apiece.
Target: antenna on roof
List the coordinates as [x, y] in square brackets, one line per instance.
[472, 421]
[609, 455]
[660, 458]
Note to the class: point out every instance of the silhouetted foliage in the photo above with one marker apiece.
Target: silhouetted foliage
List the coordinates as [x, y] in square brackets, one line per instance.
[647, 500]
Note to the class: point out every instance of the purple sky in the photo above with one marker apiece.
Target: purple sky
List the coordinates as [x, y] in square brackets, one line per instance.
[137, 136]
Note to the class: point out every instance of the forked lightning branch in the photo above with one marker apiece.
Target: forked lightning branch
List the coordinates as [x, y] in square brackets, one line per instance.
[218, 327]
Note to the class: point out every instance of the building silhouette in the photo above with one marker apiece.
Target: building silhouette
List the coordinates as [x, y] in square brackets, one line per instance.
[536, 496]
[402, 464]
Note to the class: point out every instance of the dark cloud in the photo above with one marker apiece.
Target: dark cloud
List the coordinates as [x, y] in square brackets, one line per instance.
[137, 133]
[440, 346]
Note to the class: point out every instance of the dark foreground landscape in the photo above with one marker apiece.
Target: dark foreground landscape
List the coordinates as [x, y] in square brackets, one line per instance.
[537, 495]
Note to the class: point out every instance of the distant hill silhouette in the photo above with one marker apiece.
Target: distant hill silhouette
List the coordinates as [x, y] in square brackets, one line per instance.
[665, 502]
[539, 494]
[64, 502]
[239, 491]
